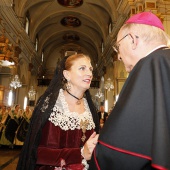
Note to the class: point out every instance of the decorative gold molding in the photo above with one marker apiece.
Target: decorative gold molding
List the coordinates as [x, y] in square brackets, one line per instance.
[8, 51]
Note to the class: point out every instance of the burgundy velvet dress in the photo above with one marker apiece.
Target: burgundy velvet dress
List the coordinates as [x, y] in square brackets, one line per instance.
[61, 141]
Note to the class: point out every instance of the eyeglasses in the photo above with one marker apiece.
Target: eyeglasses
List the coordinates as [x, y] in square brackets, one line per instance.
[117, 44]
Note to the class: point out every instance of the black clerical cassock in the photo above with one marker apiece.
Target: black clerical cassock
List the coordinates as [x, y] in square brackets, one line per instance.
[136, 135]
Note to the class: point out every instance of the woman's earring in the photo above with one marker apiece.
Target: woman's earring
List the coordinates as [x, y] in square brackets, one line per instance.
[68, 85]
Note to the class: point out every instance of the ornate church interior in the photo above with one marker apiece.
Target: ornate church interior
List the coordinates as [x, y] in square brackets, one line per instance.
[36, 34]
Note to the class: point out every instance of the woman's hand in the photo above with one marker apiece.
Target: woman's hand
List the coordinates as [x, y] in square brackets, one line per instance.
[90, 145]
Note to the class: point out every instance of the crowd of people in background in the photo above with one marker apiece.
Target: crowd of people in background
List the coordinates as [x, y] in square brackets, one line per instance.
[14, 124]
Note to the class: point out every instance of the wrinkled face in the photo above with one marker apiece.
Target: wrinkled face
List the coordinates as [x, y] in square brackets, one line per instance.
[80, 74]
[125, 52]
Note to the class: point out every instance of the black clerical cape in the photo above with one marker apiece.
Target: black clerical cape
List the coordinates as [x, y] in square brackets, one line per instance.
[136, 135]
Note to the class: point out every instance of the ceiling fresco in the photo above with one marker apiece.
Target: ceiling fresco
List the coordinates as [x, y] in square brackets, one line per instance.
[70, 3]
[71, 21]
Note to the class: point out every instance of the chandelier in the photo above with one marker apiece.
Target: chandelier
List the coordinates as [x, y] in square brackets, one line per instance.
[31, 92]
[15, 83]
[108, 85]
[99, 94]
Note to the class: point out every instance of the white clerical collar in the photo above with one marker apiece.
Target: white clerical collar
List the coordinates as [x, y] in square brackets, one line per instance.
[160, 46]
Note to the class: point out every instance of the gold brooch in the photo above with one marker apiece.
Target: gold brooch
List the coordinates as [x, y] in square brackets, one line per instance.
[83, 126]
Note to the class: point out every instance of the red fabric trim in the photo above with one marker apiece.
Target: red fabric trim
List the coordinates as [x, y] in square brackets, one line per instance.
[96, 159]
[131, 153]
[159, 167]
[125, 151]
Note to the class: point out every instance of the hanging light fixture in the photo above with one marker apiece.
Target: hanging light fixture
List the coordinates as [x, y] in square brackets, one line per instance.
[15, 83]
[108, 85]
[31, 92]
[99, 94]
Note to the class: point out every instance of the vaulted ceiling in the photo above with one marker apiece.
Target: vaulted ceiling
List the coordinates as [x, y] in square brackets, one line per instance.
[87, 26]
[78, 25]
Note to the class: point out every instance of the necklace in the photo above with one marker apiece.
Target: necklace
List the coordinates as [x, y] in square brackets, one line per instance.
[78, 100]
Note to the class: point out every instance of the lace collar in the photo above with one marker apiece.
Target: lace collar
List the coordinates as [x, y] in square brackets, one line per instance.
[62, 117]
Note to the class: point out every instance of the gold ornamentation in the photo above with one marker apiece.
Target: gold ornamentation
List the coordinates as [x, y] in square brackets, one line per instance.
[83, 126]
[68, 85]
[9, 53]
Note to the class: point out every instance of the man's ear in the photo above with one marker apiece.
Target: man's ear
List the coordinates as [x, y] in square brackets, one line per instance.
[134, 41]
[66, 75]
